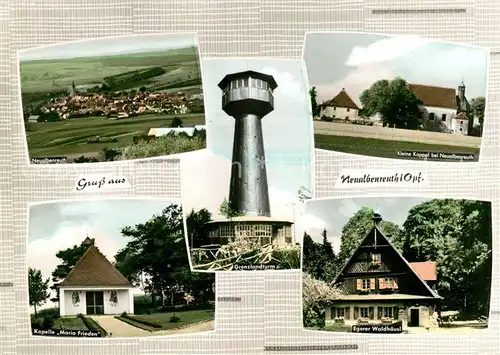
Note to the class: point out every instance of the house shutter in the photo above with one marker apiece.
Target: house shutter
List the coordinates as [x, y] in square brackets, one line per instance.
[356, 313]
[381, 285]
[371, 313]
[347, 313]
[333, 312]
[380, 312]
[359, 284]
[394, 283]
[372, 284]
[396, 312]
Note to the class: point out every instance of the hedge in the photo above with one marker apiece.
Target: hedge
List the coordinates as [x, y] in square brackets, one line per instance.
[93, 325]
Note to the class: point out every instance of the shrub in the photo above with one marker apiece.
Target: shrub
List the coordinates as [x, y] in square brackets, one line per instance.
[174, 319]
[48, 323]
[124, 314]
[92, 325]
[84, 159]
[148, 311]
[326, 118]
[111, 154]
[99, 139]
[286, 257]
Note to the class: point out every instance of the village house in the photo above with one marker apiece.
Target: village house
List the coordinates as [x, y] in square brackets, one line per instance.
[127, 104]
[444, 106]
[340, 107]
[379, 286]
[94, 287]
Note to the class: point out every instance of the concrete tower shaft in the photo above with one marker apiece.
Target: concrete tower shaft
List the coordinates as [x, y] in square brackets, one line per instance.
[248, 96]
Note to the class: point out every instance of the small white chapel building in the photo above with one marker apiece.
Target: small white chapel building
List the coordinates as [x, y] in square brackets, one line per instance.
[95, 287]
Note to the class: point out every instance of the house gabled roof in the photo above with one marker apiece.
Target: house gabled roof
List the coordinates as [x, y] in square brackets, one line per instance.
[93, 269]
[435, 96]
[341, 100]
[387, 240]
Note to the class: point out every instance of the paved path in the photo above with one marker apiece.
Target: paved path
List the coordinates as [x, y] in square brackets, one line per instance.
[117, 328]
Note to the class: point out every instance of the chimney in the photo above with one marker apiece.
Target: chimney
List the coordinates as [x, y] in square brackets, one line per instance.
[248, 97]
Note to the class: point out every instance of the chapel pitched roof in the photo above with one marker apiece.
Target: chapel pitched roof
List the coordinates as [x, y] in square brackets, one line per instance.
[93, 269]
[461, 116]
[435, 96]
[341, 100]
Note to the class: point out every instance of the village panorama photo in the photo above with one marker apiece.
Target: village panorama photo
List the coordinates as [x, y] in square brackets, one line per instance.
[397, 265]
[250, 182]
[111, 99]
[113, 268]
[402, 97]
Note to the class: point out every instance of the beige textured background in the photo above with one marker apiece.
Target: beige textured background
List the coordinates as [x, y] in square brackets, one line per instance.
[270, 310]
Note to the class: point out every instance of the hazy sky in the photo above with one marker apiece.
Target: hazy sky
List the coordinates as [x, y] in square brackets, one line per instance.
[354, 61]
[110, 46]
[61, 225]
[286, 130]
[333, 214]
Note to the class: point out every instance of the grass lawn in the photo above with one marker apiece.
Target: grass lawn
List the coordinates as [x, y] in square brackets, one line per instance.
[43, 76]
[69, 138]
[69, 323]
[380, 147]
[163, 319]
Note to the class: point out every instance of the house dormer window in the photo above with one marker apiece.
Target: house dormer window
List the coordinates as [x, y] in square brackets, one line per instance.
[376, 259]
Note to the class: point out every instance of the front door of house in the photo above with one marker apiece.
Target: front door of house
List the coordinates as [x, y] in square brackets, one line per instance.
[95, 302]
[414, 318]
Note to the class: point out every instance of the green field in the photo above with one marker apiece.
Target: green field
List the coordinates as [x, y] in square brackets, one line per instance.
[69, 138]
[381, 148]
[40, 77]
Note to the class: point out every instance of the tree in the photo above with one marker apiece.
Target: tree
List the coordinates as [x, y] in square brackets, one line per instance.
[69, 257]
[195, 222]
[394, 102]
[314, 104]
[319, 258]
[37, 289]
[176, 122]
[477, 107]
[157, 249]
[356, 229]
[315, 296]
[457, 235]
[304, 193]
[227, 211]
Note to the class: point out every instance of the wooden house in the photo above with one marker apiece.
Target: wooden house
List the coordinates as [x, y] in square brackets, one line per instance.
[379, 285]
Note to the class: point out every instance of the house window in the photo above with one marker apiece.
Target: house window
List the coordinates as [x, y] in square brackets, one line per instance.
[366, 284]
[348, 109]
[346, 117]
[376, 259]
[364, 312]
[461, 123]
[334, 107]
[461, 129]
[443, 117]
[388, 312]
[340, 312]
[431, 116]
